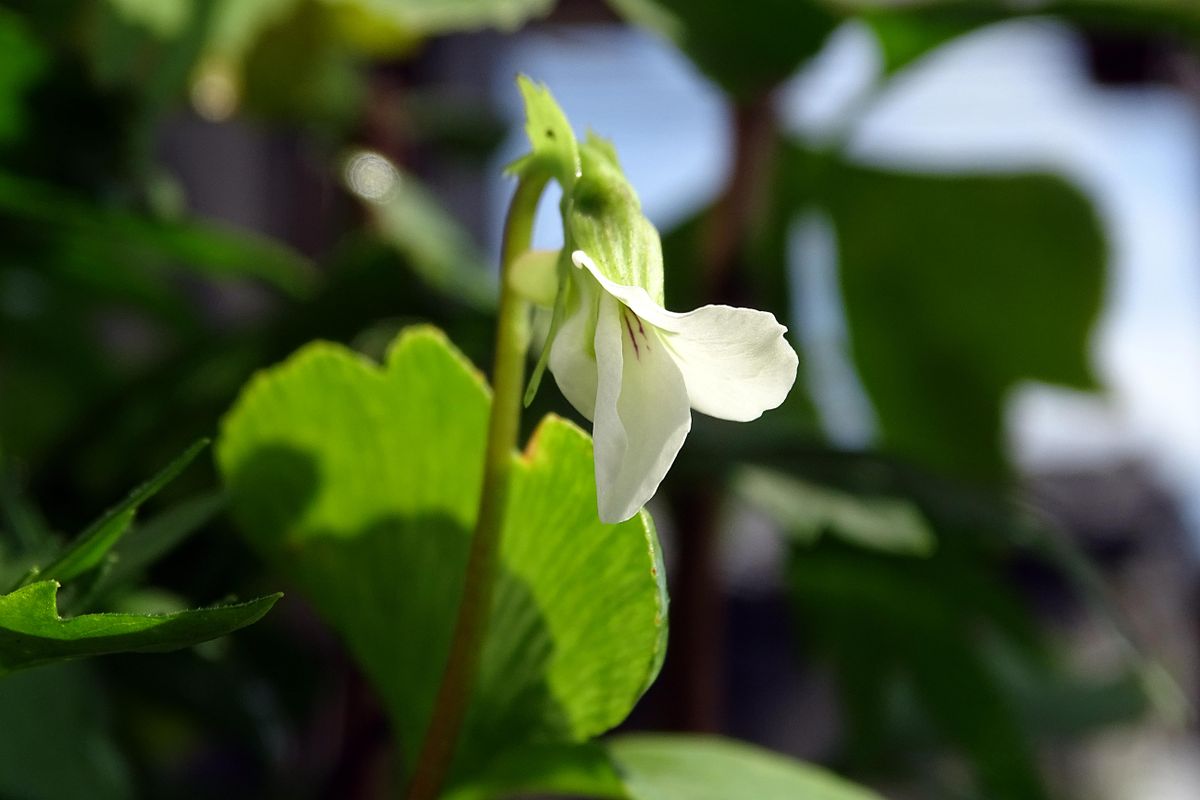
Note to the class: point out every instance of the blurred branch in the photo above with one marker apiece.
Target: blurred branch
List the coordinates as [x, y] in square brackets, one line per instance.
[694, 670]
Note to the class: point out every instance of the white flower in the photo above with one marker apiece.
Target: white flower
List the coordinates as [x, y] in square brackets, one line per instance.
[637, 370]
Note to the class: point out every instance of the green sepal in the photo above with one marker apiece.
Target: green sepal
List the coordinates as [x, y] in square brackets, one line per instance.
[604, 219]
[554, 147]
[560, 308]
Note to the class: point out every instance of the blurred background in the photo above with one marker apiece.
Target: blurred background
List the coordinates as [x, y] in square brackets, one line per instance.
[959, 563]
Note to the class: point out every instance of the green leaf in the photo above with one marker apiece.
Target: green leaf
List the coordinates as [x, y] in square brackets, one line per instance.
[806, 511]
[905, 38]
[908, 31]
[746, 48]
[660, 767]
[362, 482]
[956, 289]
[89, 550]
[1169, 16]
[574, 770]
[709, 768]
[32, 632]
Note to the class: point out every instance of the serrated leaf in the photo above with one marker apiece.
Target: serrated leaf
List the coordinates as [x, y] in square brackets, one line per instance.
[362, 483]
[32, 632]
[89, 550]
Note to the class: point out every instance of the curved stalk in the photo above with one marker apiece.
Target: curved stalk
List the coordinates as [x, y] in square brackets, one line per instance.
[462, 665]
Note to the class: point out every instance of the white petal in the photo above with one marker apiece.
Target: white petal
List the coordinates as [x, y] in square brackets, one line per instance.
[572, 354]
[642, 413]
[637, 298]
[735, 361]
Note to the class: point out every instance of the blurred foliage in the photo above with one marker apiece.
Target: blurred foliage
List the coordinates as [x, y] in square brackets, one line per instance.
[953, 657]
[956, 288]
[406, 216]
[58, 737]
[970, 282]
[806, 511]
[770, 39]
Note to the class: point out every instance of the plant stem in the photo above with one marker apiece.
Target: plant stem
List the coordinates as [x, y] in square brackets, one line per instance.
[508, 374]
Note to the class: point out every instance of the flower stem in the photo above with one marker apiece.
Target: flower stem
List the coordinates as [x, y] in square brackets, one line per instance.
[462, 665]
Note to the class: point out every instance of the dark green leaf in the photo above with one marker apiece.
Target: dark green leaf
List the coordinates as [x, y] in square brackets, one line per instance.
[907, 31]
[905, 37]
[747, 49]
[956, 289]
[32, 632]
